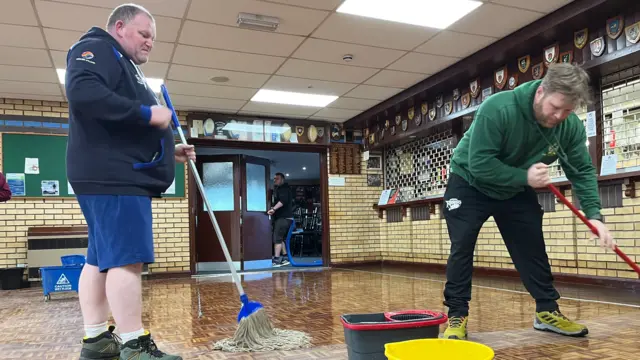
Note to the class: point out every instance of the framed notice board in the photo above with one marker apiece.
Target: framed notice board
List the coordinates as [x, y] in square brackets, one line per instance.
[35, 166]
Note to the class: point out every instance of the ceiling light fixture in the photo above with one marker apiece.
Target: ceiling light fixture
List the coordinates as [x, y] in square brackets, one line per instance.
[154, 83]
[304, 168]
[220, 79]
[293, 98]
[429, 13]
[257, 22]
[287, 174]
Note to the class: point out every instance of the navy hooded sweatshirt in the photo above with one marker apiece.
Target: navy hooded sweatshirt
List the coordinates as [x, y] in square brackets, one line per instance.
[112, 149]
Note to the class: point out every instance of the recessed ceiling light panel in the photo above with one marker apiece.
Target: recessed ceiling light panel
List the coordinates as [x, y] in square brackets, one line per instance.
[438, 14]
[293, 98]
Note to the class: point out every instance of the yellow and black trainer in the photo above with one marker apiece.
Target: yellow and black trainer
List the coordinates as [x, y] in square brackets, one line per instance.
[554, 321]
[105, 346]
[457, 328]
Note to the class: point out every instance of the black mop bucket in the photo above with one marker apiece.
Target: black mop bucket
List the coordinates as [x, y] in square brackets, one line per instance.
[366, 334]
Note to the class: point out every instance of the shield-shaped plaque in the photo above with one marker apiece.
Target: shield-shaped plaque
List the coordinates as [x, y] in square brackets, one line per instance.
[398, 119]
[580, 38]
[566, 57]
[465, 100]
[405, 124]
[537, 71]
[312, 133]
[387, 123]
[448, 107]
[393, 130]
[474, 86]
[439, 101]
[523, 63]
[615, 26]
[424, 108]
[299, 130]
[432, 114]
[372, 138]
[456, 94]
[411, 113]
[382, 134]
[597, 46]
[551, 54]
[320, 132]
[513, 81]
[632, 32]
[500, 77]
[418, 119]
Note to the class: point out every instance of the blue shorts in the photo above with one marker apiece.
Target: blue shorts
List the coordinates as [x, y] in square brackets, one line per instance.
[120, 230]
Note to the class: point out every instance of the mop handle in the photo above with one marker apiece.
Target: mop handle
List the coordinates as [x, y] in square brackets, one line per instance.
[196, 175]
[593, 229]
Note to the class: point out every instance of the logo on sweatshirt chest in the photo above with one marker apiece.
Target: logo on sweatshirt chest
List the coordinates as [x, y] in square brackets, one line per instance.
[550, 154]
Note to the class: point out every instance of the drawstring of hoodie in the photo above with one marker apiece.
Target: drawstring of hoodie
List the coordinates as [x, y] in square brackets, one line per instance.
[561, 153]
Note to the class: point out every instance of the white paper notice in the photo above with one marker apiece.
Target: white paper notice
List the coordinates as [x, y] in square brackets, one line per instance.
[366, 156]
[31, 166]
[608, 165]
[172, 188]
[336, 181]
[591, 123]
[384, 197]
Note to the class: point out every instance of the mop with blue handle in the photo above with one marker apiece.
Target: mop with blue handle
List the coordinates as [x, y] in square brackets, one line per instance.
[255, 332]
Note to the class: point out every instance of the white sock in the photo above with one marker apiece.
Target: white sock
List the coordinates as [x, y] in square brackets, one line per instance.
[126, 337]
[92, 331]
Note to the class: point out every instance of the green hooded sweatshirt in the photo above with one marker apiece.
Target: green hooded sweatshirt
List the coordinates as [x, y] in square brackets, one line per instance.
[504, 140]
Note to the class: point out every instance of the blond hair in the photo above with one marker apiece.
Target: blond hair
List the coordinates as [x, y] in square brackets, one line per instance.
[569, 80]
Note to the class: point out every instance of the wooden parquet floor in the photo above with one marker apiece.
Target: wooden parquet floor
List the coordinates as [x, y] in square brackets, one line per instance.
[186, 316]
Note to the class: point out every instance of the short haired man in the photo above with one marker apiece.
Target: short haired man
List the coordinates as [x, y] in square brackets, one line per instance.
[282, 213]
[120, 155]
[495, 168]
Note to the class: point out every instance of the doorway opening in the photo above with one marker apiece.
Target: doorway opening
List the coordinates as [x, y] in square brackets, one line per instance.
[239, 184]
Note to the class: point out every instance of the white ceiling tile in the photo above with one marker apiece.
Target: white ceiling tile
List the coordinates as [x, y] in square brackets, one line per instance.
[61, 39]
[229, 38]
[29, 36]
[293, 20]
[273, 115]
[422, 63]
[328, 120]
[495, 20]
[17, 12]
[59, 59]
[253, 106]
[203, 109]
[227, 60]
[373, 92]
[24, 57]
[341, 114]
[399, 79]
[23, 87]
[32, 74]
[204, 75]
[544, 6]
[154, 69]
[171, 8]
[368, 31]
[315, 4]
[82, 18]
[31, 97]
[333, 52]
[284, 83]
[324, 71]
[204, 90]
[207, 102]
[449, 43]
[161, 52]
[352, 103]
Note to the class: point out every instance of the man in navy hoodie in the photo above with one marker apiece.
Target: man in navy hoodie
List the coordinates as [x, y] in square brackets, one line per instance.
[120, 155]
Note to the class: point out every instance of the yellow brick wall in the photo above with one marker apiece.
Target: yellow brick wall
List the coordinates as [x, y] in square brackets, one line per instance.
[354, 225]
[171, 216]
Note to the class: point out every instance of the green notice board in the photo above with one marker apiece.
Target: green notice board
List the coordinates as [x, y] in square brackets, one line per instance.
[50, 152]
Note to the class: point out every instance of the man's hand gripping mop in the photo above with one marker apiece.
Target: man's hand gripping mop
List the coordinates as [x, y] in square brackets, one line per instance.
[254, 332]
[593, 229]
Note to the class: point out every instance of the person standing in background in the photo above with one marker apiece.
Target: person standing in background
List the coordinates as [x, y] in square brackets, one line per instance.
[282, 213]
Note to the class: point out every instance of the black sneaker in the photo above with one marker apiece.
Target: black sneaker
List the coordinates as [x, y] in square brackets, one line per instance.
[143, 348]
[105, 346]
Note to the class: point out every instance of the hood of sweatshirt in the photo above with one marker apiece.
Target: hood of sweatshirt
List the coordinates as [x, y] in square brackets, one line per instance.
[98, 33]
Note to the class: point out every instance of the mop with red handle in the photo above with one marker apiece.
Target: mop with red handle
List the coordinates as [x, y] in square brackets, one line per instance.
[593, 229]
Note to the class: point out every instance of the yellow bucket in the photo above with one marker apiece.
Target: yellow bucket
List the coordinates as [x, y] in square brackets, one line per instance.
[438, 349]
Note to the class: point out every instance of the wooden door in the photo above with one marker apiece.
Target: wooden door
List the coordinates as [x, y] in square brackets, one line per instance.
[255, 223]
[221, 179]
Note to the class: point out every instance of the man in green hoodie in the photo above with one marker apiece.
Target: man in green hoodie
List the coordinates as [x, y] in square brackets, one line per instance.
[495, 168]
